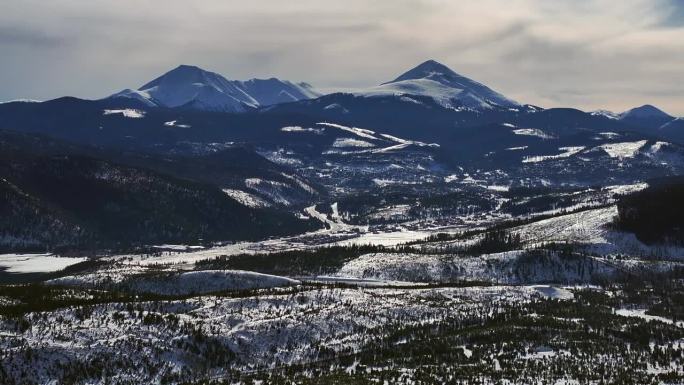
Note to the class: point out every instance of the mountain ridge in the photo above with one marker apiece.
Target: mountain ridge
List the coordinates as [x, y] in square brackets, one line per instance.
[193, 87]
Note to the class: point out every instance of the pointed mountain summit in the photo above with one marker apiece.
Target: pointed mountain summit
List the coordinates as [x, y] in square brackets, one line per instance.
[429, 69]
[445, 86]
[192, 87]
[646, 111]
[646, 116]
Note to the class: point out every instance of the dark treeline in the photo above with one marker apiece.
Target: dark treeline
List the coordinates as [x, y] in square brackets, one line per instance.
[654, 215]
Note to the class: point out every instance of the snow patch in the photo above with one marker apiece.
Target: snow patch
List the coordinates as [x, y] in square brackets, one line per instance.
[553, 292]
[349, 142]
[361, 132]
[567, 152]
[174, 123]
[127, 113]
[624, 149]
[317, 131]
[532, 132]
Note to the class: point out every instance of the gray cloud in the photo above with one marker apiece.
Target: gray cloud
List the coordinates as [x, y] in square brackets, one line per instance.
[588, 54]
[19, 36]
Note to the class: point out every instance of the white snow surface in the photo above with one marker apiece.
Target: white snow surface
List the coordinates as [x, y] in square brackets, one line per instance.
[606, 113]
[554, 292]
[567, 152]
[361, 132]
[273, 190]
[127, 112]
[35, 263]
[302, 129]
[349, 142]
[532, 132]
[624, 149]
[21, 101]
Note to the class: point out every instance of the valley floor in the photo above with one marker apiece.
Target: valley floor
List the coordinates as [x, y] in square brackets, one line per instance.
[561, 298]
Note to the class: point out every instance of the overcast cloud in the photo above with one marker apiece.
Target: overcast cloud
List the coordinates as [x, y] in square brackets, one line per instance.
[583, 53]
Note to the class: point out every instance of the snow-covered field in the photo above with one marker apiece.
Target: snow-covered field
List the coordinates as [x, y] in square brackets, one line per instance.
[35, 263]
[623, 150]
[392, 238]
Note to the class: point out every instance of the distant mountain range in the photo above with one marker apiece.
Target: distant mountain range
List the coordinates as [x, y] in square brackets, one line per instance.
[192, 87]
[263, 150]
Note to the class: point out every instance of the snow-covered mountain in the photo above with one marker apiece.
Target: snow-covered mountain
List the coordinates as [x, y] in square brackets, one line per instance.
[446, 87]
[193, 87]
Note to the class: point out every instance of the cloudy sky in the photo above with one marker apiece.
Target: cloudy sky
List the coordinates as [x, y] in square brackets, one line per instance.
[589, 54]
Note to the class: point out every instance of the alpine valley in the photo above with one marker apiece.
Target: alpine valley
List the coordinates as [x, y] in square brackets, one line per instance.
[200, 230]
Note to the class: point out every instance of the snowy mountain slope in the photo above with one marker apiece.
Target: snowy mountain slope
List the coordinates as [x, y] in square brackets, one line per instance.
[193, 87]
[274, 91]
[591, 229]
[446, 87]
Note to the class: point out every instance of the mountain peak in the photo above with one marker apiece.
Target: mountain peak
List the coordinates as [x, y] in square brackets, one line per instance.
[432, 65]
[190, 86]
[449, 89]
[188, 67]
[429, 69]
[646, 111]
[185, 74]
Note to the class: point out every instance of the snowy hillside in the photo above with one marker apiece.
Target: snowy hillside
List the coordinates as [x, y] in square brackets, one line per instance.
[172, 282]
